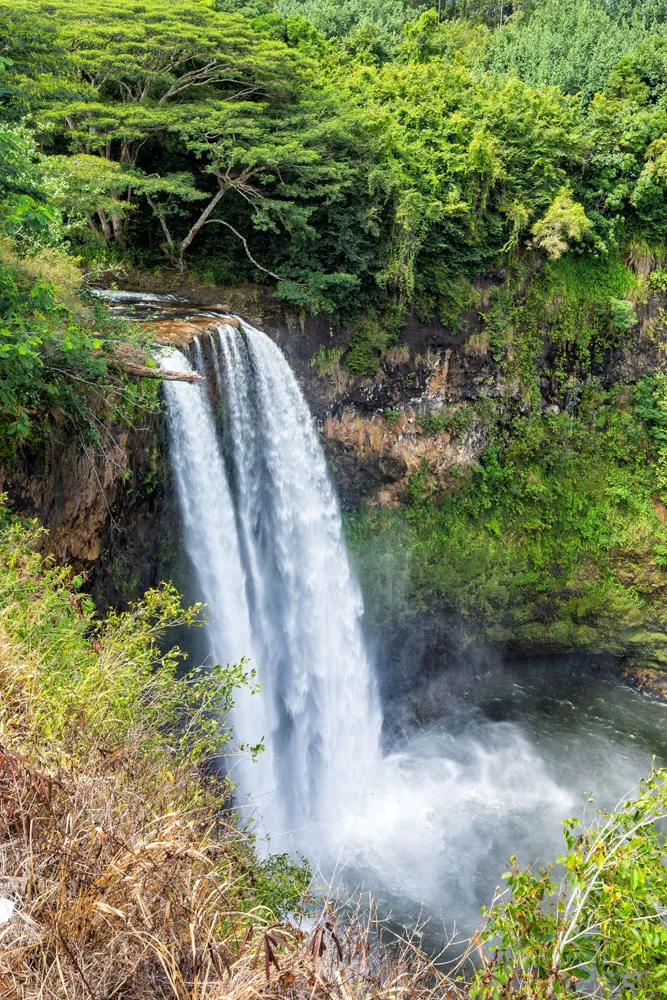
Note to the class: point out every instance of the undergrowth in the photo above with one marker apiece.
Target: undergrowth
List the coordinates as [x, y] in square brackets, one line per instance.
[61, 360]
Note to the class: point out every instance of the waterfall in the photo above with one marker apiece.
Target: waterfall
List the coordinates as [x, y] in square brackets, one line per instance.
[263, 531]
[489, 767]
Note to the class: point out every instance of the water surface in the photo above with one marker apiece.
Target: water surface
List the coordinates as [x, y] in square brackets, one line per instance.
[486, 765]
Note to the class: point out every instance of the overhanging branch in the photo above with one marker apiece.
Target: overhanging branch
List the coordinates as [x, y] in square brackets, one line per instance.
[143, 371]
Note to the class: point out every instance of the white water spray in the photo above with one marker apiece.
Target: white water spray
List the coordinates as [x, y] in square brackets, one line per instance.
[265, 537]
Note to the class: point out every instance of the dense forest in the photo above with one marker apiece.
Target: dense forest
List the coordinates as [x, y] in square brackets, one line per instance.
[496, 171]
[366, 161]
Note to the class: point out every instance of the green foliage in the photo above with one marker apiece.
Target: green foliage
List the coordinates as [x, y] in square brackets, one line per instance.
[280, 886]
[650, 403]
[114, 675]
[326, 360]
[344, 19]
[377, 166]
[572, 44]
[564, 221]
[57, 366]
[372, 335]
[604, 921]
[23, 208]
[457, 420]
[578, 309]
[549, 542]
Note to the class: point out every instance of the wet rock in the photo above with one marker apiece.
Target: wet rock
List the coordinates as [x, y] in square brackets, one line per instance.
[181, 332]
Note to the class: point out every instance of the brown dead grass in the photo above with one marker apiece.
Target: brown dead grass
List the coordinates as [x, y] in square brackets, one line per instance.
[478, 344]
[396, 356]
[121, 893]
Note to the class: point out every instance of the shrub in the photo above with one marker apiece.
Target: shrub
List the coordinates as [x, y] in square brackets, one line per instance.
[326, 359]
[604, 920]
[373, 334]
[565, 221]
[458, 420]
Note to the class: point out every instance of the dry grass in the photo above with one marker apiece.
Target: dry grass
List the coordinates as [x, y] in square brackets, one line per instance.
[121, 891]
[643, 257]
[396, 356]
[428, 360]
[478, 344]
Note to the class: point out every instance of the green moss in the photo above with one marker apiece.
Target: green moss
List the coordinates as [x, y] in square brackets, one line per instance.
[457, 420]
[549, 542]
[571, 314]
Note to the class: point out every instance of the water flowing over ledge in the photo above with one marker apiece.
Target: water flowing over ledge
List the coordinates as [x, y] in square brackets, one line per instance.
[434, 819]
[263, 531]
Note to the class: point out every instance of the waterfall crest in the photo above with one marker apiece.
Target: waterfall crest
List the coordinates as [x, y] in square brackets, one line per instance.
[264, 534]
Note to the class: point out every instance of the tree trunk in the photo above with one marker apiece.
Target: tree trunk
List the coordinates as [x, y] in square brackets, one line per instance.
[117, 224]
[198, 224]
[106, 228]
[163, 223]
[143, 371]
[93, 225]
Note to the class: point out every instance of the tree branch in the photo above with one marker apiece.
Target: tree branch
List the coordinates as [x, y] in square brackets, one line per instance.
[143, 371]
[163, 222]
[247, 250]
[200, 222]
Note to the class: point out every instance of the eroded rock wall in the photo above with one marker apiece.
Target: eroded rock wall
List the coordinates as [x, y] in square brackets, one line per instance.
[106, 507]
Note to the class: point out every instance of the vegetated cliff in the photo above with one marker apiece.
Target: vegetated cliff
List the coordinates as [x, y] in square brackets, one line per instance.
[103, 504]
[503, 470]
[504, 474]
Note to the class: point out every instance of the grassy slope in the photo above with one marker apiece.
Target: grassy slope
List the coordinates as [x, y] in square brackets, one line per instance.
[128, 870]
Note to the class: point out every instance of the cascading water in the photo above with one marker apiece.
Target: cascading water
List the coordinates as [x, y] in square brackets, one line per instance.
[491, 756]
[305, 605]
[264, 535]
[435, 819]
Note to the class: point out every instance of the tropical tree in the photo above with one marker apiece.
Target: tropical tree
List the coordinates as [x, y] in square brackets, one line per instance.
[175, 75]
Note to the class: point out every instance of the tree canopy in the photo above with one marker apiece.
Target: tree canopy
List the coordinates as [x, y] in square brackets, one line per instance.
[351, 155]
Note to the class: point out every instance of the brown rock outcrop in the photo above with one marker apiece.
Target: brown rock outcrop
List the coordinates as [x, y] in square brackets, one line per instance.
[181, 332]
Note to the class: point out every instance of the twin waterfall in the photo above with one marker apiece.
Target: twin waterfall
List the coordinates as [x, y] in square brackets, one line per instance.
[263, 532]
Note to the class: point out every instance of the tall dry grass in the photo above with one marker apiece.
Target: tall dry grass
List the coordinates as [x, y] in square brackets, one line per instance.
[123, 891]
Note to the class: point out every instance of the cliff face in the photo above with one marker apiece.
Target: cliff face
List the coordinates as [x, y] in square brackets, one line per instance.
[105, 507]
[568, 558]
[426, 403]
[437, 403]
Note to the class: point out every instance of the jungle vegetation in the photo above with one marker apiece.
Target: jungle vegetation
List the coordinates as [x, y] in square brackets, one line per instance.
[364, 160]
[376, 157]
